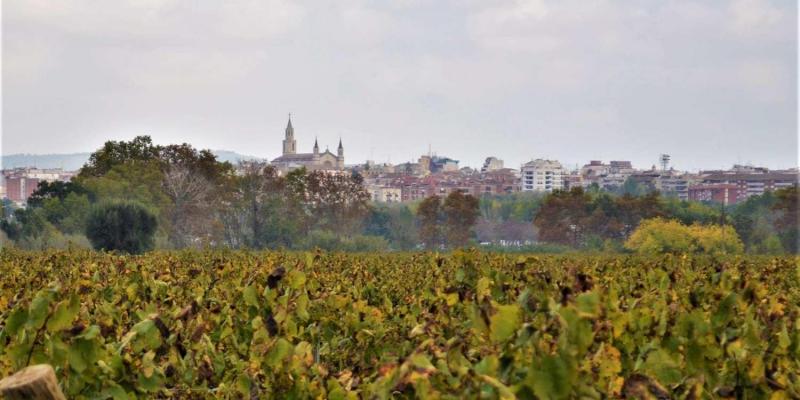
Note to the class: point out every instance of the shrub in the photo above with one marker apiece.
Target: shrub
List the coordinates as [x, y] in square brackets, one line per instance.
[716, 240]
[656, 236]
[126, 227]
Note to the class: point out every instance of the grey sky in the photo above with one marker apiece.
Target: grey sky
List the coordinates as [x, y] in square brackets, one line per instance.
[710, 82]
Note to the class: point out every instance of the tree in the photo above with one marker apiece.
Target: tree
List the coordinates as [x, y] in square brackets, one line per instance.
[139, 182]
[378, 221]
[113, 153]
[508, 217]
[657, 236]
[68, 214]
[177, 182]
[632, 210]
[259, 213]
[788, 219]
[429, 220]
[65, 205]
[26, 224]
[403, 231]
[690, 212]
[562, 218]
[755, 222]
[56, 189]
[190, 214]
[127, 227]
[393, 222]
[716, 239]
[603, 220]
[632, 188]
[200, 162]
[334, 202]
[460, 214]
[609, 218]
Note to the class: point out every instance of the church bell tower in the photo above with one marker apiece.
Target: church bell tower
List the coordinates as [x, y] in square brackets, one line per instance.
[289, 144]
[340, 155]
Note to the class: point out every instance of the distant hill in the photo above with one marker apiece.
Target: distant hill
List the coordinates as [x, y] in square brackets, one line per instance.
[233, 157]
[74, 161]
[69, 162]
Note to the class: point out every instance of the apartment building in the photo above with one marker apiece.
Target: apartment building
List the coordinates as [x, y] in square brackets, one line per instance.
[385, 194]
[754, 184]
[542, 175]
[20, 183]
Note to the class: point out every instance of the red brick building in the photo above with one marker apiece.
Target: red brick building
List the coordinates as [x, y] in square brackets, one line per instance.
[20, 183]
[723, 193]
[18, 189]
[501, 181]
[754, 184]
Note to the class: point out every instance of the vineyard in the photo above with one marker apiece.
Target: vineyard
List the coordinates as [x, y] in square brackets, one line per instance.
[227, 324]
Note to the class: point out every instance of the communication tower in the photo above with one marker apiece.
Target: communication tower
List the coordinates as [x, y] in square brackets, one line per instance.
[664, 160]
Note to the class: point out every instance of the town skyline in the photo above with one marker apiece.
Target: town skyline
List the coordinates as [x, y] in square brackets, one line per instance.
[231, 154]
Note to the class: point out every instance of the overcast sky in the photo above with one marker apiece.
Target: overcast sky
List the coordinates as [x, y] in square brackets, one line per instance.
[710, 82]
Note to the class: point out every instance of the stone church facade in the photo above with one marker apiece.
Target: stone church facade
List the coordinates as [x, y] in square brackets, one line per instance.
[291, 159]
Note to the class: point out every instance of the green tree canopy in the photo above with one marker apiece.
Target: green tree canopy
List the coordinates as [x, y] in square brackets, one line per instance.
[460, 214]
[788, 219]
[429, 219]
[127, 227]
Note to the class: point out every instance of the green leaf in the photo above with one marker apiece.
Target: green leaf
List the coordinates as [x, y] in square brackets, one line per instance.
[144, 335]
[663, 367]
[579, 335]
[335, 390]
[250, 296]
[421, 361]
[724, 312]
[280, 350]
[151, 383]
[37, 313]
[16, 320]
[115, 392]
[482, 289]
[92, 332]
[505, 322]
[64, 314]
[504, 391]
[488, 366]
[75, 359]
[148, 336]
[460, 275]
[551, 379]
[296, 279]
[302, 307]
[588, 304]
[81, 354]
[476, 320]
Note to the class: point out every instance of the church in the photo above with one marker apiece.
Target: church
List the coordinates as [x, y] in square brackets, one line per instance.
[291, 159]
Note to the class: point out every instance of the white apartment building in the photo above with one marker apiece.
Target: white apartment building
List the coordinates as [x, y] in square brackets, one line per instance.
[385, 194]
[542, 175]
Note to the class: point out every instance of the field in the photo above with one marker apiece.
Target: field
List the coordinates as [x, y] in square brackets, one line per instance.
[462, 325]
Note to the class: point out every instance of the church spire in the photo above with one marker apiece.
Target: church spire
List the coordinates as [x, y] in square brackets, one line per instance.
[289, 144]
[289, 127]
[316, 146]
[340, 150]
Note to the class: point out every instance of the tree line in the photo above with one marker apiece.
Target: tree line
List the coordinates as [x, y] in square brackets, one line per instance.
[135, 196]
[594, 220]
[176, 197]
